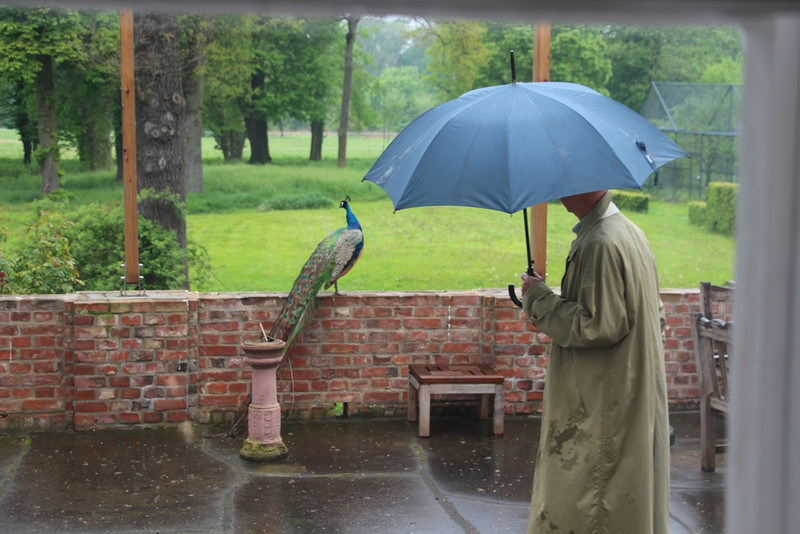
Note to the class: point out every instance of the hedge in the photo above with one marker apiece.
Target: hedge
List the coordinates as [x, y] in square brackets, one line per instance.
[721, 208]
[632, 201]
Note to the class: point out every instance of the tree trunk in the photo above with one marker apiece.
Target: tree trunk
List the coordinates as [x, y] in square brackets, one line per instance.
[47, 124]
[231, 143]
[22, 122]
[347, 87]
[159, 119]
[193, 81]
[256, 126]
[317, 133]
[259, 143]
[94, 145]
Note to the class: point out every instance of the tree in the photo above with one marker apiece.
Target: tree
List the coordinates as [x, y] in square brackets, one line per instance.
[195, 31]
[279, 74]
[501, 39]
[17, 112]
[578, 55]
[320, 74]
[87, 90]
[401, 96]
[690, 54]
[347, 86]
[34, 41]
[227, 84]
[159, 119]
[457, 53]
[633, 51]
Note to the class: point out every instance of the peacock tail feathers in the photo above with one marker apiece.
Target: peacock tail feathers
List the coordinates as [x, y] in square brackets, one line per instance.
[333, 257]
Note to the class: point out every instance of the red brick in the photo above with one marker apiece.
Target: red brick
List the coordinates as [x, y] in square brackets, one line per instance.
[219, 400]
[84, 420]
[95, 406]
[130, 418]
[169, 404]
[42, 405]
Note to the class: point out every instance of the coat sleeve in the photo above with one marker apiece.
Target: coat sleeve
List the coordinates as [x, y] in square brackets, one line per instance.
[596, 315]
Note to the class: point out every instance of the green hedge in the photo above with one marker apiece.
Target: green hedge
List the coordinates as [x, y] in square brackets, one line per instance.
[721, 209]
[632, 201]
[697, 212]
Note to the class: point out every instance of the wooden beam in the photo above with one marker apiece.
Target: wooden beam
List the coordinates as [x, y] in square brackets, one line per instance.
[129, 147]
[538, 215]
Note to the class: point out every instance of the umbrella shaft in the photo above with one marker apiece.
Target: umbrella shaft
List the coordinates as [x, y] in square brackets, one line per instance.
[528, 262]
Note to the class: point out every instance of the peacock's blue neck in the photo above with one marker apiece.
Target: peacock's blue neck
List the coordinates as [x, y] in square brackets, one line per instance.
[352, 222]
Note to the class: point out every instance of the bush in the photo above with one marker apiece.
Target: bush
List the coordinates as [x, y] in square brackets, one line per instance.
[721, 210]
[98, 245]
[87, 252]
[5, 264]
[632, 201]
[697, 213]
[44, 264]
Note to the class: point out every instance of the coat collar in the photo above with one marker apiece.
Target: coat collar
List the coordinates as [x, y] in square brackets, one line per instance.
[595, 215]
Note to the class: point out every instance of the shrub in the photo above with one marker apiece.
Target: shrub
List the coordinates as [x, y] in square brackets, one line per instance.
[632, 201]
[721, 210]
[44, 264]
[5, 264]
[98, 245]
[697, 213]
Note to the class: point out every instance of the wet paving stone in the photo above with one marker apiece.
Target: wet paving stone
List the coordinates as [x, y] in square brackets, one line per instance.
[342, 476]
[106, 481]
[352, 504]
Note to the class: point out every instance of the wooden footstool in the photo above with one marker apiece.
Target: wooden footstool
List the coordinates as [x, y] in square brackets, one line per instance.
[427, 380]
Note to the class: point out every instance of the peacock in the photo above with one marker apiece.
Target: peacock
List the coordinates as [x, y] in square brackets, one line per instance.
[333, 258]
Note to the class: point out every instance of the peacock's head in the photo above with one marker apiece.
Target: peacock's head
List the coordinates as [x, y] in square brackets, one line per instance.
[344, 203]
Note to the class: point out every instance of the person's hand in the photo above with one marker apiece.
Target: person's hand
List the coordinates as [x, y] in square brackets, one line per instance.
[528, 280]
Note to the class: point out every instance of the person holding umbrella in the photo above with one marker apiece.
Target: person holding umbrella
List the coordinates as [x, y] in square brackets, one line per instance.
[603, 456]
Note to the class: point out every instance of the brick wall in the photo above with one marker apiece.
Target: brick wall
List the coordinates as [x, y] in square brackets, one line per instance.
[89, 360]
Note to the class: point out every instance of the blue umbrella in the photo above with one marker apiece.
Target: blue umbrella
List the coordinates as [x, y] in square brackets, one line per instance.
[511, 146]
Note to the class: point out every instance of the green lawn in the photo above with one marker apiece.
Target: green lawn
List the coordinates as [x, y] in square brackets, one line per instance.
[253, 249]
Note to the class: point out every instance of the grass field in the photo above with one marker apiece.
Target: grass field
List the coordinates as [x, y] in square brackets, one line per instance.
[253, 248]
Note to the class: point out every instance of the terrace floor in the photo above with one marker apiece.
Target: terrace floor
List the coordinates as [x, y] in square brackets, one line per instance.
[348, 476]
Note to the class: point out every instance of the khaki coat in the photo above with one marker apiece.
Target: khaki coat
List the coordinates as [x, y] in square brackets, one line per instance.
[603, 458]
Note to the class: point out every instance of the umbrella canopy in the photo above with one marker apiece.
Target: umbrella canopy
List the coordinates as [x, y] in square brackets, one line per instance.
[511, 146]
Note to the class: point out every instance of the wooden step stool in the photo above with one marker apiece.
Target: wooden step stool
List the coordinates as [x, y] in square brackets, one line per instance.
[480, 379]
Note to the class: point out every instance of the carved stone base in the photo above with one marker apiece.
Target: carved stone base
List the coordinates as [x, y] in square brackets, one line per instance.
[263, 452]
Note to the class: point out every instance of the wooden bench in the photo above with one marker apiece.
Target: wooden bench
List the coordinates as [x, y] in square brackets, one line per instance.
[713, 343]
[713, 338]
[480, 379]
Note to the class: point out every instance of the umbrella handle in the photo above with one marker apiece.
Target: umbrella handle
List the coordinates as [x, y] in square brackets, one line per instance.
[513, 296]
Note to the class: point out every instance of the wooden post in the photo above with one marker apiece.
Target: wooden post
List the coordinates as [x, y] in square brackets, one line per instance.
[538, 216]
[129, 147]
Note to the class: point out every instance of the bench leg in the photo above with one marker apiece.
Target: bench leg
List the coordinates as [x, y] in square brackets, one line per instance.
[499, 410]
[707, 438]
[483, 412]
[412, 402]
[424, 394]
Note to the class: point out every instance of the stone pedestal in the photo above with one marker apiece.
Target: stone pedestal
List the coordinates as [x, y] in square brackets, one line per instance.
[264, 442]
